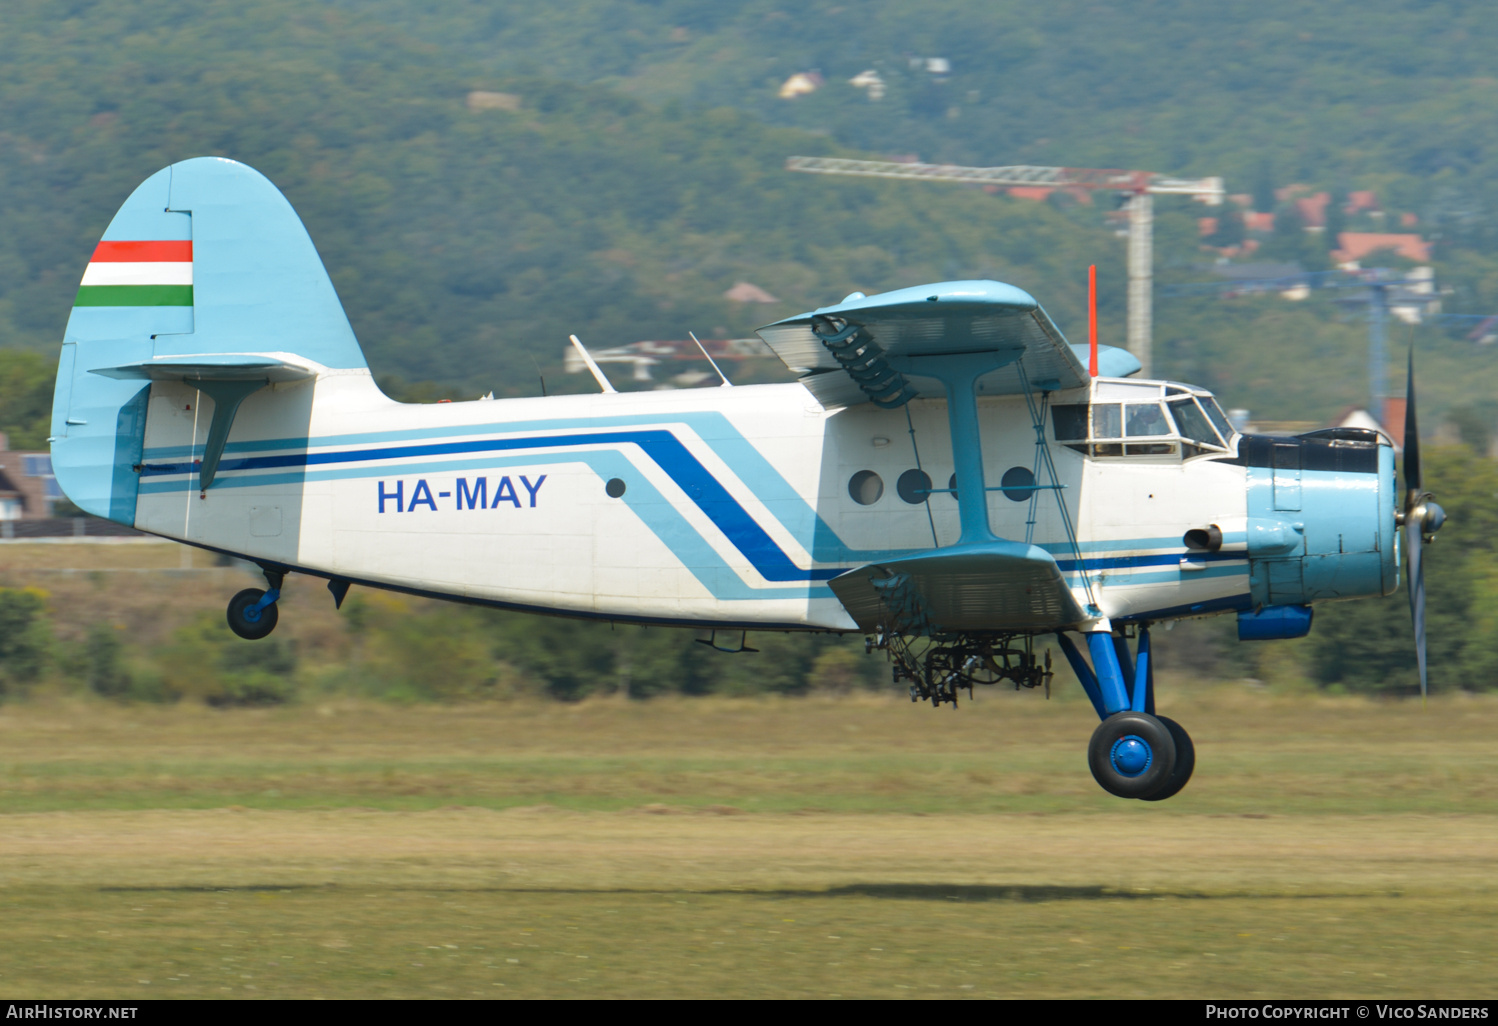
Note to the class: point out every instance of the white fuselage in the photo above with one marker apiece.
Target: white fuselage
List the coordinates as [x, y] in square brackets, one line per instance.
[714, 507]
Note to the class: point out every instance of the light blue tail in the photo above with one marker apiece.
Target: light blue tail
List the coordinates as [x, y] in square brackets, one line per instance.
[206, 257]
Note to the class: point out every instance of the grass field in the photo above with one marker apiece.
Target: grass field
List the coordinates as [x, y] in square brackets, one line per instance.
[858, 847]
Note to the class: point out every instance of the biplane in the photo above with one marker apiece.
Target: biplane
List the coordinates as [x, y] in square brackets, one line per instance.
[949, 476]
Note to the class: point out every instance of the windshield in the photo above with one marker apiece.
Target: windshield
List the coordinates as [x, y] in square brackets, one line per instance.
[1215, 413]
[1193, 424]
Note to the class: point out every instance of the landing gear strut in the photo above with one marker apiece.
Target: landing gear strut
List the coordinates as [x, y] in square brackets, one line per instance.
[252, 613]
[1133, 752]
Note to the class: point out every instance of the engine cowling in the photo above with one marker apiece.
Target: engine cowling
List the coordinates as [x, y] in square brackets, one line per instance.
[1321, 516]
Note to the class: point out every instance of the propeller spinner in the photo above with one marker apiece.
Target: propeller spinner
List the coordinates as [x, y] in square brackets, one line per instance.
[1421, 518]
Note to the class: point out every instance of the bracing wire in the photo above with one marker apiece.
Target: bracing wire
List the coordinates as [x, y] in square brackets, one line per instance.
[917, 450]
[1038, 420]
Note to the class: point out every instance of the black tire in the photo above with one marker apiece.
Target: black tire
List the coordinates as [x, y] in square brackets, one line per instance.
[1126, 738]
[1185, 761]
[251, 630]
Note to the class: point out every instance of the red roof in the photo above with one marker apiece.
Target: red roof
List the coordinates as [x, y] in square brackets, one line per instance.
[1357, 245]
[1312, 209]
[1257, 222]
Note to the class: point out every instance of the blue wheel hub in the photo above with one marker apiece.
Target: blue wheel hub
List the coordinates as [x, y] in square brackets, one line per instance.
[253, 613]
[1131, 755]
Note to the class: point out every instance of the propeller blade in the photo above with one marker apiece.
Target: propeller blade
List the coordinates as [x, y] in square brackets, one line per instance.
[1415, 516]
[1412, 548]
[1412, 479]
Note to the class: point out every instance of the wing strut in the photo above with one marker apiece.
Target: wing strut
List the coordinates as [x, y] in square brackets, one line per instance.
[959, 374]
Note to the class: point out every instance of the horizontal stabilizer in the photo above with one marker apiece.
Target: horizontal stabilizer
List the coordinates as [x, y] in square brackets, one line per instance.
[226, 378]
[211, 367]
[990, 586]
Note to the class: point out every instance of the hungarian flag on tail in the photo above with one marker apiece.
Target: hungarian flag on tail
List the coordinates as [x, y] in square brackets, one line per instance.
[138, 274]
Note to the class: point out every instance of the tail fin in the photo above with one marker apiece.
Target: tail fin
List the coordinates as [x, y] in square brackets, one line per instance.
[206, 257]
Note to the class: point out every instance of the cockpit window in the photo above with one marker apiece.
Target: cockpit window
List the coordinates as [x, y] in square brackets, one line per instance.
[1215, 413]
[1069, 422]
[1192, 423]
[1138, 423]
[1107, 421]
[1144, 419]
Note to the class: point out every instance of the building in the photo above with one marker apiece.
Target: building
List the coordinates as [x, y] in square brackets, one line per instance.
[802, 83]
[27, 487]
[1354, 246]
[871, 81]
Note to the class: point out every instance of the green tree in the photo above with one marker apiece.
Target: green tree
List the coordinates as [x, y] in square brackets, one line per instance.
[25, 640]
[205, 661]
[26, 381]
[1368, 645]
[103, 662]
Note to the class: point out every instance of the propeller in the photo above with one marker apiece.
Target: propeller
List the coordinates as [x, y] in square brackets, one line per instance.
[1421, 518]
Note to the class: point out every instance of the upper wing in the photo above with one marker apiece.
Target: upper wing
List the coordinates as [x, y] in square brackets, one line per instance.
[857, 350]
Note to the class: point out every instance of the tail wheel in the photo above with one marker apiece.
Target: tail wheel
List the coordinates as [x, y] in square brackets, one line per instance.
[1185, 761]
[1132, 754]
[248, 622]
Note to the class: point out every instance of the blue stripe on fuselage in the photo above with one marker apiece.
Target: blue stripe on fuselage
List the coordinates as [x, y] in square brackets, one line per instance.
[661, 446]
[673, 457]
[715, 430]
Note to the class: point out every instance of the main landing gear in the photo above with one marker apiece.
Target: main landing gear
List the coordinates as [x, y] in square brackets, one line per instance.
[1133, 752]
[252, 613]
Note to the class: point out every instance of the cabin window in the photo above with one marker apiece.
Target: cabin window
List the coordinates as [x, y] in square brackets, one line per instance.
[914, 486]
[1018, 484]
[865, 487]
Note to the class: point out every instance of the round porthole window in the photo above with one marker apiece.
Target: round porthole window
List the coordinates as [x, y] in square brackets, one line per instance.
[914, 486]
[952, 484]
[615, 487]
[1018, 484]
[865, 487]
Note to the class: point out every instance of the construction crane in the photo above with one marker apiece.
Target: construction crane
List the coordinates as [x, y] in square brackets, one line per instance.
[1140, 186]
[1382, 290]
